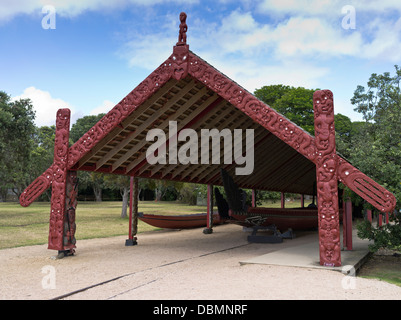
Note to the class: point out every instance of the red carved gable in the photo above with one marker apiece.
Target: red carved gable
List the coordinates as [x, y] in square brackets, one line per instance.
[183, 63]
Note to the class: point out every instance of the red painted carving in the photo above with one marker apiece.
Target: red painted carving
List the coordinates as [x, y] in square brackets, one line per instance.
[365, 187]
[57, 210]
[182, 34]
[180, 61]
[37, 187]
[280, 126]
[326, 176]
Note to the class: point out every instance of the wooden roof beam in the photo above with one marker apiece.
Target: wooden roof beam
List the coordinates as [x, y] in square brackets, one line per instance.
[182, 168]
[259, 143]
[188, 122]
[145, 106]
[218, 118]
[208, 105]
[145, 124]
[204, 171]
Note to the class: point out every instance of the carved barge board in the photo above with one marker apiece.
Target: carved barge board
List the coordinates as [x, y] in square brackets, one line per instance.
[37, 187]
[365, 187]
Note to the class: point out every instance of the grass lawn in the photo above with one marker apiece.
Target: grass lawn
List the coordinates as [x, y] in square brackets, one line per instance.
[21, 226]
[385, 268]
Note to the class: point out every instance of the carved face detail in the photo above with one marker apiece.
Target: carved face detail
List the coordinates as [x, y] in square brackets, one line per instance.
[183, 17]
[324, 103]
[180, 62]
[63, 118]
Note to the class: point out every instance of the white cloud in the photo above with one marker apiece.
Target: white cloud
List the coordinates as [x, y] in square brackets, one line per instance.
[45, 106]
[308, 36]
[303, 7]
[105, 107]
[240, 33]
[385, 43]
[71, 8]
[325, 8]
[147, 51]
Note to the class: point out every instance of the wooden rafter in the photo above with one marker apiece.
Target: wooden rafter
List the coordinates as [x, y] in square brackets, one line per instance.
[144, 125]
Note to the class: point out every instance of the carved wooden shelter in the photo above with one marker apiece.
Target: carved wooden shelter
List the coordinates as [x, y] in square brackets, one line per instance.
[187, 89]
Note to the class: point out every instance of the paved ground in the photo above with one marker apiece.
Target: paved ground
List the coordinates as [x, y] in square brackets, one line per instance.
[183, 264]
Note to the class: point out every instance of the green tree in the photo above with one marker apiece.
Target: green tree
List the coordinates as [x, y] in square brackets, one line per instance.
[121, 183]
[17, 130]
[42, 153]
[82, 126]
[94, 180]
[297, 105]
[345, 132]
[294, 103]
[377, 148]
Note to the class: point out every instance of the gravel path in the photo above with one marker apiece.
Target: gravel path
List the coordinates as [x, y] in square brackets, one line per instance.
[174, 265]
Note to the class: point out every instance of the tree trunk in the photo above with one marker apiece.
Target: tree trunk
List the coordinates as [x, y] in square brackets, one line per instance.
[3, 194]
[97, 191]
[125, 194]
[158, 194]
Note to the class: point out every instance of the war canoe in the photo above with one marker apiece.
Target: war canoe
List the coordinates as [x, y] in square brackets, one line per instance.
[186, 221]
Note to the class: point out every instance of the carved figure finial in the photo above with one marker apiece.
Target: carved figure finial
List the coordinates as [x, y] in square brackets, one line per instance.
[182, 35]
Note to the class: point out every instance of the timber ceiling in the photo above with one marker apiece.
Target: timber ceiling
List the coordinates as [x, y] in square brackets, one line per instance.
[277, 166]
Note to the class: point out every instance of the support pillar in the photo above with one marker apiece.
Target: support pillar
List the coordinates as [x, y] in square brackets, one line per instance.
[253, 198]
[70, 205]
[347, 225]
[282, 200]
[58, 209]
[302, 201]
[369, 215]
[326, 176]
[133, 213]
[209, 222]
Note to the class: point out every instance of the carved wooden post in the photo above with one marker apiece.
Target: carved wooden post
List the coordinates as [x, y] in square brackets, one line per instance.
[133, 213]
[369, 215]
[347, 221]
[326, 176]
[70, 207]
[209, 222]
[59, 182]
[253, 198]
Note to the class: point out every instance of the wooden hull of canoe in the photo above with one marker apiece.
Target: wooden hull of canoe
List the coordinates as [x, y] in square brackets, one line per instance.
[178, 222]
[283, 219]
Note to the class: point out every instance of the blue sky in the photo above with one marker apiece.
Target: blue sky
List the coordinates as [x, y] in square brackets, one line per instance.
[100, 50]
